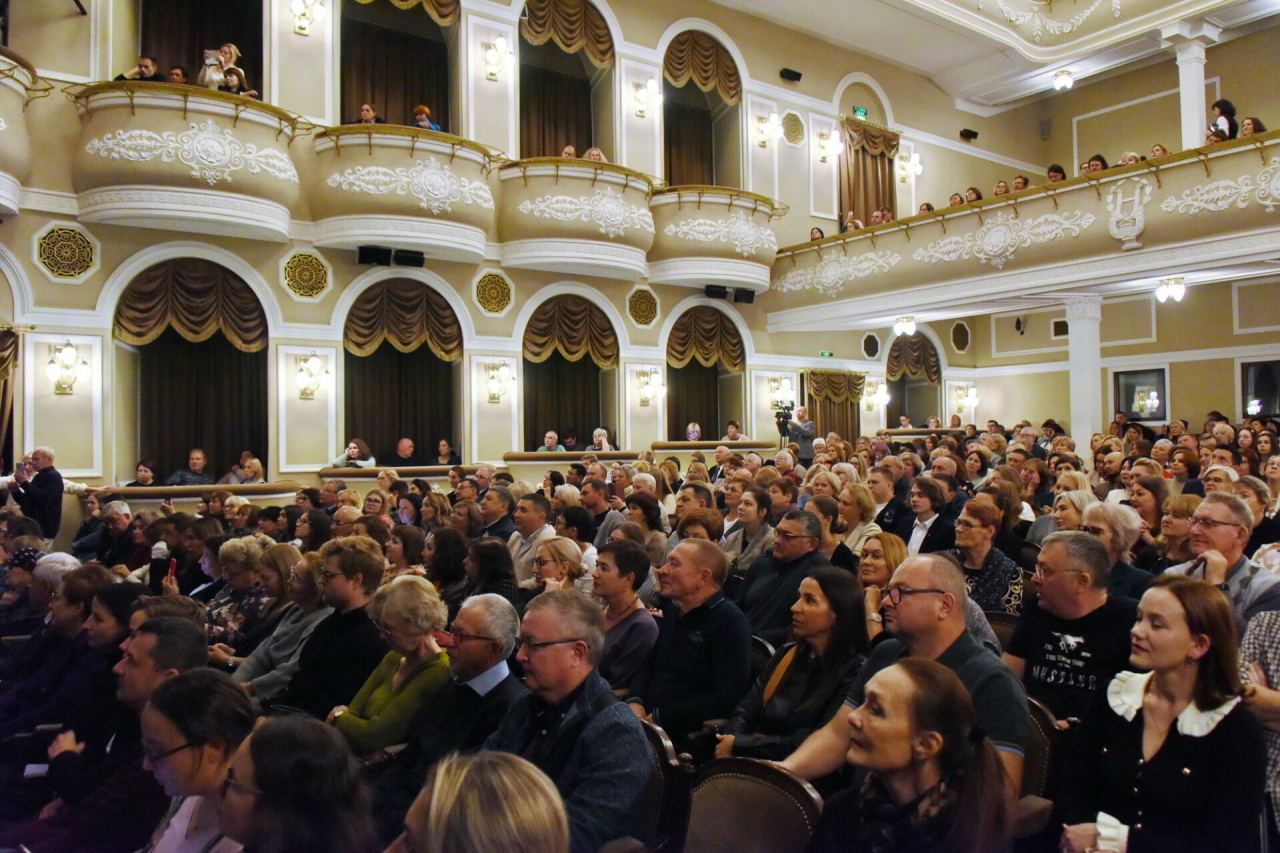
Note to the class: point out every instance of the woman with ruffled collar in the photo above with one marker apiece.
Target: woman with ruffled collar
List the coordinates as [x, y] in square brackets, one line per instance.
[1169, 760]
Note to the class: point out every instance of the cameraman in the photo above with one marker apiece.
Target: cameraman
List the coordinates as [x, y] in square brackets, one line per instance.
[801, 430]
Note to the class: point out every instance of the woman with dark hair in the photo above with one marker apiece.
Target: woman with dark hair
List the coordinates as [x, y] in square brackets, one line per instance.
[977, 466]
[192, 725]
[435, 511]
[312, 530]
[1224, 119]
[935, 782]
[833, 528]
[295, 787]
[1147, 495]
[807, 681]
[1037, 485]
[466, 518]
[407, 545]
[409, 510]
[356, 455]
[308, 498]
[973, 194]
[146, 473]
[643, 509]
[630, 629]
[489, 568]
[1252, 125]
[755, 535]
[271, 576]
[445, 561]
[1184, 465]
[1172, 760]
[445, 454]
[420, 487]
[235, 82]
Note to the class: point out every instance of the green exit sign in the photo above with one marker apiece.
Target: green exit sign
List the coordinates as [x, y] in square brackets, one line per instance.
[860, 112]
[826, 354]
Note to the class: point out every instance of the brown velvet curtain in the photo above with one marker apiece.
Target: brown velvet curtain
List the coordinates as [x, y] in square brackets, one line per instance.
[706, 334]
[555, 111]
[562, 395]
[210, 394]
[406, 314]
[699, 57]
[10, 345]
[913, 356]
[689, 143]
[573, 24]
[443, 12]
[178, 33]
[573, 327]
[393, 394]
[867, 180]
[693, 396]
[393, 71]
[197, 298]
[833, 398]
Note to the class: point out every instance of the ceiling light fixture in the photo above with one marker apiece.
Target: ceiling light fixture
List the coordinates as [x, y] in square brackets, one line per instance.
[905, 326]
[1063, 80]
[1174, 288]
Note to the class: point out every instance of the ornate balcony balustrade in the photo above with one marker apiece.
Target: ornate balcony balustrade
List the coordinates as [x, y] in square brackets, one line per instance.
[18, 85]
[712, 236]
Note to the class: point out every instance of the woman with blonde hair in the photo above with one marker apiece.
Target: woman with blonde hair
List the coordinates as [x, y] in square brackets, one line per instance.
[455, 813]
[767, 476]
[858, 510]
[349, 497]
[817, 484]
[386, 477]
[377, 502]
[557, 565]
[846, 473]
[697, 473]
[1174, 542]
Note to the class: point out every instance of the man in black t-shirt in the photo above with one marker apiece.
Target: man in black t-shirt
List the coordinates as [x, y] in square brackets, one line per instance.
[1072, 637]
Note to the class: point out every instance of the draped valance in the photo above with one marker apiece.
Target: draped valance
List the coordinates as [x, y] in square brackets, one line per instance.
[9, 345]
[861, 136]
[197, 298]
[708, 335]
[913, 356]
[697, 56]
[406, 314]
[443, 12]
[574, 25]
[838, 386]
[574, 327]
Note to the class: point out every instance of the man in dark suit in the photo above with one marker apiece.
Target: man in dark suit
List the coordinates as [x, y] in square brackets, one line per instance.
[462, 713]
[37, 488]
[893, 514]
[772, 584]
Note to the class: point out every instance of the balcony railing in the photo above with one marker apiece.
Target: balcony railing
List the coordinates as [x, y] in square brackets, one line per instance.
[18, 85]
[713, 236]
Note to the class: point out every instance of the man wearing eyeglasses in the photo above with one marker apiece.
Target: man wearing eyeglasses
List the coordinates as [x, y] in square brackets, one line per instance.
[1220, 529]
[924, 611]
[772, 582]
[462, 713]
[572, 726]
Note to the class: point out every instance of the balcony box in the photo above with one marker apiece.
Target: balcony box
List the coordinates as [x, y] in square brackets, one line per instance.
[712, 236]
[18, 84]
[402, 187]
[575, 216]
[184, 158]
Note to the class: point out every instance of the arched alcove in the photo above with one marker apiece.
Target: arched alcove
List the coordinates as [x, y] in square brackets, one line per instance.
[706, 356]
[914, 372]
[403, 349]
[701, 122]
[179, 33]
[396, 56]
[195, 336]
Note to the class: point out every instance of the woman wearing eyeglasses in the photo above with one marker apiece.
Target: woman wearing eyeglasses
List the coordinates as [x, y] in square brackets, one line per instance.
[407, 611]
[1117, 527]
[191, 727]
[994, 581]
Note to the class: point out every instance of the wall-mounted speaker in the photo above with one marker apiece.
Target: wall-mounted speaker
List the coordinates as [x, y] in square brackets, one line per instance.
[742, 296]
[968, 135]
[374, 256]
[408, 258]
[715, 291]
[790, 75]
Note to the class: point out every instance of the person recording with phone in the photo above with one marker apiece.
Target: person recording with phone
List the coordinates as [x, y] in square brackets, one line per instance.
[215, 62]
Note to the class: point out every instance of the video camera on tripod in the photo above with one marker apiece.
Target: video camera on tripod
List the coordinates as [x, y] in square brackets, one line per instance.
[782, 417]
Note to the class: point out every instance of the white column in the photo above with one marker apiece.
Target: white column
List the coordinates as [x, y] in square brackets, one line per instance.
[1189, 40]
[1084, 348]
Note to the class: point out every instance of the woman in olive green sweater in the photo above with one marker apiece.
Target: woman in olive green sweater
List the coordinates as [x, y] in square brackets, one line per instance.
[407, 611]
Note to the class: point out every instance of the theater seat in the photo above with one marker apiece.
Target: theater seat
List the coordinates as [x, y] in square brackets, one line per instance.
[741, 805]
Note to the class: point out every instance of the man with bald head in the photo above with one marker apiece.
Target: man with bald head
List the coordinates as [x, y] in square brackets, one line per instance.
[344, 520]
[925, 614]
[1112, 463]
[37, 488]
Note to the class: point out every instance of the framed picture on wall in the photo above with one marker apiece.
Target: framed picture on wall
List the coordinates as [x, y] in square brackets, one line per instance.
[1140, 394]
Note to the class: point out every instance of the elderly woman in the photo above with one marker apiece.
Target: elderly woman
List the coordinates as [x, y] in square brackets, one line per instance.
[994, 581]
[693, 432]
[858, 512]
[1257, 496]
[733, 489]
[630, 629]
[234, 611]
[1172, 760]
[819, 481]
[600, 440]
[755, 536]
[1117, 527]
[272, 577]
[408, 611]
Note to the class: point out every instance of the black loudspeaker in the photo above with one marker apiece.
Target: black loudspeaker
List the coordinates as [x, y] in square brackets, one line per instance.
[409, 258]
[374, 256]
[790, 75]
[715, 291]
[968, 134]
[743, 296]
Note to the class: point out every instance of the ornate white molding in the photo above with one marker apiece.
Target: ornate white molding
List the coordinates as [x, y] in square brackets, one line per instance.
[576, 257]
[446, 241]
[606, 208]
[831, 274]
[198, 210]
[66, 252]
[1219, 195]
[48, 201]
[700, 272]
[1128, 213]
[212, 152]
[434, 184]
[11, 195]
[745, 235]
[1084, 308]
[995, 242]
[3, 125]
[1040, 22]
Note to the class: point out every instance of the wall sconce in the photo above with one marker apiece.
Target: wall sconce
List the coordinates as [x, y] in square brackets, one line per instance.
[877, 395]
[647, 95]
[781, 392]
[1146, 401]
[500, 377]
[769, 128]
[1254, 408]
[65, 368]
[829, 145]
[1174, 288]
[495, 57]
[312, 376]
[909, 166]
[306, 13]
[905, 326]
[1063, 80]
[966, 398]
[650, 385]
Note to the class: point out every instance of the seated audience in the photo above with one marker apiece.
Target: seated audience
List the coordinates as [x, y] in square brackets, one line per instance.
[630, 629]
[193, 474]
[569, 725]
[934, 776]
[490, 570]
[644, 510]
[772, 582]
[1117, 528]
[1251, 125]
[18, 614]
[754, 536]
[235, 611]
[357, 453]
[1171, 760]
[144, 69]
[832, 546]
[422, 120]
[928, 531]
[993, 580]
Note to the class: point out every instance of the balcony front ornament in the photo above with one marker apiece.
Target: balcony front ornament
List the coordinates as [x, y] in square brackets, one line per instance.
[745, 235]
[1128, 213]
[995, 242]
[433, 183]
[211, 152]
[306, 275]
[606, 208]
[829, 276]
[1219, 195]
